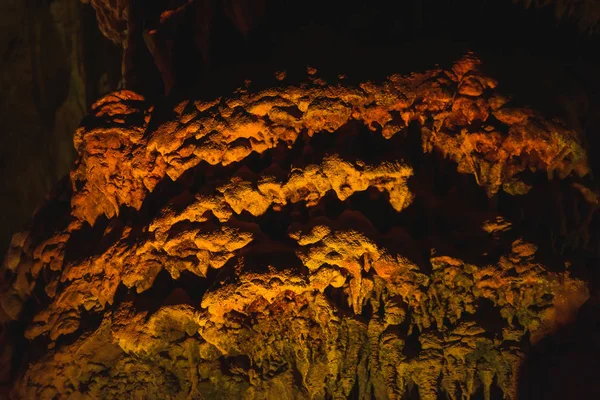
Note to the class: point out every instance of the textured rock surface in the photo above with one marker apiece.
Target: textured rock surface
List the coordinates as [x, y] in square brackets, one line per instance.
[311, 241]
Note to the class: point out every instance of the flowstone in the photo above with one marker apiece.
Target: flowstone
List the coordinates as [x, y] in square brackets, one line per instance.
[312, 241]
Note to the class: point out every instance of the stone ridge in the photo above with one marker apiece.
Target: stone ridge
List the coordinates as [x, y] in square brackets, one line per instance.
[122, 159]
[175, 267]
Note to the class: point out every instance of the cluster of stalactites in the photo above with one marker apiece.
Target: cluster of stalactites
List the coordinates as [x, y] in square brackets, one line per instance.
[337, 310]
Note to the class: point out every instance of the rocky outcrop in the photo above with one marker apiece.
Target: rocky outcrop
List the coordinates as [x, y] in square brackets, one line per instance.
[297, 242]
[460, 114]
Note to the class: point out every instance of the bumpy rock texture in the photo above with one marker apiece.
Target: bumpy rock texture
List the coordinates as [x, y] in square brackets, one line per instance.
[310, 241]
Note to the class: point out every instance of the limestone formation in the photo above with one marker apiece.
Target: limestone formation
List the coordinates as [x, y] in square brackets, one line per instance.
[293, 243]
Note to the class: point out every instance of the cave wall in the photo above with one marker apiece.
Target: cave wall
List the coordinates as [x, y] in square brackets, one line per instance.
[54, 63]
[246, 246]
[73, 280]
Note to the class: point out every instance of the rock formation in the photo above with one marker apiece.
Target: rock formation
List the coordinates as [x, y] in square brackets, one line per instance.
[318, 241]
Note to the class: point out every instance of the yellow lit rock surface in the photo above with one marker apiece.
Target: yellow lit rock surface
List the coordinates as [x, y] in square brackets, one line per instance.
[200, 255]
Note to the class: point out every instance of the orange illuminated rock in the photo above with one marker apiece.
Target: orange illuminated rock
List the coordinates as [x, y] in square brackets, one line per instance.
[312, 241]
[121, 162]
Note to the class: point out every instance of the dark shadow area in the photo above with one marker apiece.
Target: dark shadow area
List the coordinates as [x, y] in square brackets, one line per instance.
[340, 299]
[54, 62]
[412, 392]
[565, 365]
[412, 346]
[489, 318]
[555, 216]
[54, 214]
[86, 241]
[495, 393]
[187, 289]
[371, 41]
